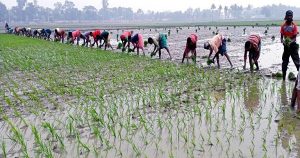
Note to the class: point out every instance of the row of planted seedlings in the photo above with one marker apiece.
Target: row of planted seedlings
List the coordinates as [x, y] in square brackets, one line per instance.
[159, 110]
[167, 119]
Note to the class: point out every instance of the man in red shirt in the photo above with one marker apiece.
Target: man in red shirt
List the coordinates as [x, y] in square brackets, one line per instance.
[289, 31]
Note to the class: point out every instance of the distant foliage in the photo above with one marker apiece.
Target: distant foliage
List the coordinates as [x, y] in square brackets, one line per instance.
[66, 11]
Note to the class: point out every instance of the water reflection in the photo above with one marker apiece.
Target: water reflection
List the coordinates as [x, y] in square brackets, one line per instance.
[219, 95]
[289, 124]
[289, 128]
[252, 96]
[283, 94]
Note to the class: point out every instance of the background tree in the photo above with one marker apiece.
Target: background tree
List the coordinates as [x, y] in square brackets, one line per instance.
[58, 11]
[21, 3]
[236, 11]
[70, 12]
[89, 13]
[266, 11]
[66, 11]
[3, 13]
[226, 12]
[30, 12]
[213, 7]
[220, 11]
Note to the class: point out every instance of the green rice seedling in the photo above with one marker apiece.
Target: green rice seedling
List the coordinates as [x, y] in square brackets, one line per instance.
[70, 127]
[17, 137]
[112, 130]
[81, 144]
[19, 115]
[43, 148]
[224, 109]
[97, 153]
[37, 136]
[136, 150]
[94, 115]
[208, 115]
[171, 155]
[233, 120]
[3, 147]
[160, 122]
[252, 151]
[120, 130]
[53, 133]
[144, 122]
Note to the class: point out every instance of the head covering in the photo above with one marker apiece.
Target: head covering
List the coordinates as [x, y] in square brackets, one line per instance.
[288, 13]
[206, 45]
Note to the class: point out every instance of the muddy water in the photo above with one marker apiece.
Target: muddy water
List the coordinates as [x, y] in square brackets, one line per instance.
[271, 54]
[254, 124]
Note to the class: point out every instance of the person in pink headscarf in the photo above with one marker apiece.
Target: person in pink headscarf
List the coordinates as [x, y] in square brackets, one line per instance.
[125, 38]
[75, 35]
[218, 45]
[191, 45]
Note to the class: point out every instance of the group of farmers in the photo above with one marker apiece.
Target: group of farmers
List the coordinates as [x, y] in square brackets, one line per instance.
[216, 45]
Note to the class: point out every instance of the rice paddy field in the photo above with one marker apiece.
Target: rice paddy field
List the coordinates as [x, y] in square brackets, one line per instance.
[60, 100]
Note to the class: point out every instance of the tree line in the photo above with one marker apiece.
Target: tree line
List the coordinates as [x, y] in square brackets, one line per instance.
[31, 12]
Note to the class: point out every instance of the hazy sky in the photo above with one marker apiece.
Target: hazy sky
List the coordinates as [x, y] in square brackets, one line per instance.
[161, 5]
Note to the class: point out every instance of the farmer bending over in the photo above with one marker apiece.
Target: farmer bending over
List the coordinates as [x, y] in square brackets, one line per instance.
[105, 35]
[160, 42]
[218, 45]
[253, 46]
[96, 35]
[191, 45]
[75, 35]
[138, 43]
[125, 38]
[86, 39]
[59, 35]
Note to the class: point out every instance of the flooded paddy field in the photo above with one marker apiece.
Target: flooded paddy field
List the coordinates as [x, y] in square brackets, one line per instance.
[271, 49]
[59, 100]
[271, 53]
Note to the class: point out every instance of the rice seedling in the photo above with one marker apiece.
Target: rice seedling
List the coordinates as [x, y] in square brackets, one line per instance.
[42, 147]
[81, 144]
[116, 103]
[54, 134]
[4, 152]
[17, 137]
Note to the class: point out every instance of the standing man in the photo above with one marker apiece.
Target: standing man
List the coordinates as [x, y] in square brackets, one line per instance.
[289, 31]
